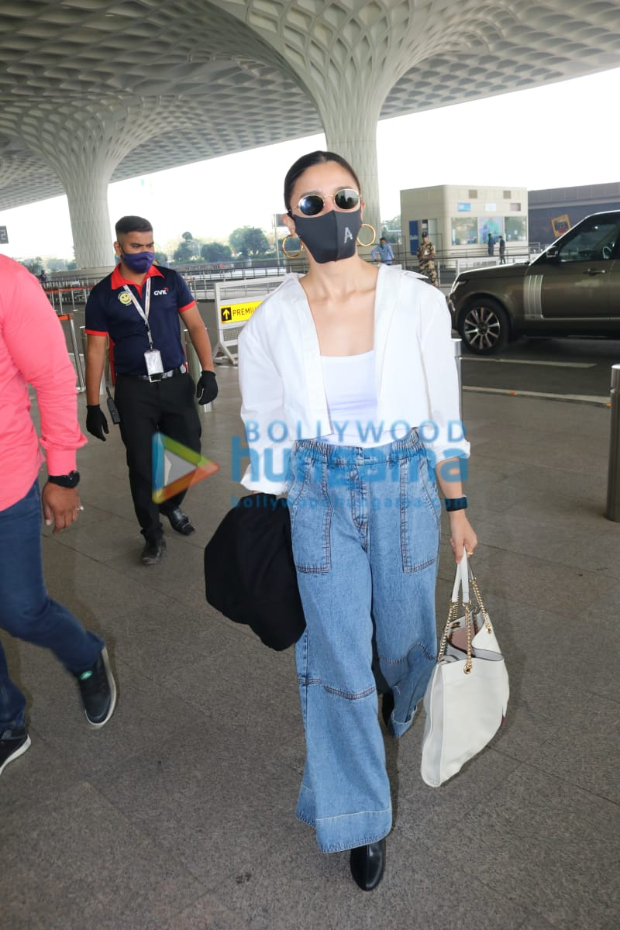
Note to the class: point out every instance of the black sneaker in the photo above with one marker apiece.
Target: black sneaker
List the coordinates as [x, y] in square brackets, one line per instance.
[98, 691]
[13, 744]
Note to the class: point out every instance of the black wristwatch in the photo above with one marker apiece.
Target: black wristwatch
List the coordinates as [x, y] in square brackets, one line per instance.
[455, 503]
[66, 481]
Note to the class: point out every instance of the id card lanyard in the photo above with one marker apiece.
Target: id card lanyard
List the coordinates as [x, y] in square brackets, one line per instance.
[154, 364]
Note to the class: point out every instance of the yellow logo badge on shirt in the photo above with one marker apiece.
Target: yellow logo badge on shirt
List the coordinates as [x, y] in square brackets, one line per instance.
[124, 297]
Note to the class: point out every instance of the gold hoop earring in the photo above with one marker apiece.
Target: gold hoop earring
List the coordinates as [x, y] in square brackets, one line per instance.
[288, 254]
[367, 245]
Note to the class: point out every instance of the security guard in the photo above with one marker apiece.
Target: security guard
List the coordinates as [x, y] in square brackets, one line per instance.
[138, 307]
[426, 257]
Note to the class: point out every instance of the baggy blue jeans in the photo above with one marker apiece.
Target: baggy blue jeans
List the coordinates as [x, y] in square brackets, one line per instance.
[27, 611]
[365, 531]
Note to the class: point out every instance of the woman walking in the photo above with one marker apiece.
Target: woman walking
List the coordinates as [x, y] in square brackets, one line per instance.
[350, 401]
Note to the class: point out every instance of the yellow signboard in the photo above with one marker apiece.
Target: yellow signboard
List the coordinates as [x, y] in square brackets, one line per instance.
[233, 314]
[560, 225]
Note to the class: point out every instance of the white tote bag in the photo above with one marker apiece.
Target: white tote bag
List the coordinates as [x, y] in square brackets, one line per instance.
[467, 696]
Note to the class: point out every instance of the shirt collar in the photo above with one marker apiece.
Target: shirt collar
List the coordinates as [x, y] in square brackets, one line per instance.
[119, 281]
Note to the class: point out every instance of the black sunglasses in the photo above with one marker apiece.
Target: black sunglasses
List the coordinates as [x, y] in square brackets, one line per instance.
[313, 204]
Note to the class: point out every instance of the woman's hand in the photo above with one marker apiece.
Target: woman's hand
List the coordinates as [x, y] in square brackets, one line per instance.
[461, 535]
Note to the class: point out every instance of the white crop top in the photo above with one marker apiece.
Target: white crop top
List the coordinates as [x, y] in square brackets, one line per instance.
[352, 401]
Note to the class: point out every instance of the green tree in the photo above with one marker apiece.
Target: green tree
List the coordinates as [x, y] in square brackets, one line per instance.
[390, 229]
[249, 240]
[56, 264]
[34, 265]
[161, 258]
[216, 252]
[186, 251]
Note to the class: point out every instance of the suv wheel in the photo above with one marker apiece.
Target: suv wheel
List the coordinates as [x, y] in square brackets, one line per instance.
[484, 327]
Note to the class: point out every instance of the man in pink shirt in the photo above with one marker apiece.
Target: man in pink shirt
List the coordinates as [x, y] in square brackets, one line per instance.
[33, 351]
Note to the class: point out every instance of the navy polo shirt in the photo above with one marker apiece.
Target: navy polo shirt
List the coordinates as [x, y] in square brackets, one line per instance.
[109, 312]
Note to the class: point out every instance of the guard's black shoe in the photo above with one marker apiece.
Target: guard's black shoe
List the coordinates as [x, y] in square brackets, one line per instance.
[387, 708]
[368, 865]
[13, 744]
[153, 551]
[180, 522]
[98, 691]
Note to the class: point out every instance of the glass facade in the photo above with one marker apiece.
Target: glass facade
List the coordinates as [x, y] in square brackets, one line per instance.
[464, 230]
[516, 229]
[467, 230]
[490, 224]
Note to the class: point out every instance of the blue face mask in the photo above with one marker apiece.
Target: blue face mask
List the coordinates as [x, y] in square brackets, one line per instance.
[140, 262]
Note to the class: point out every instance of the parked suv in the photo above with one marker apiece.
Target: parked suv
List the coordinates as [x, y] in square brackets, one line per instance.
[570, 289]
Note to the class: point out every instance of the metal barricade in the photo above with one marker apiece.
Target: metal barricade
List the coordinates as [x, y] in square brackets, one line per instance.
[106, 368]
[613, 475]
[194, 367]
[235, 302]
[457, 345]
[69, 317]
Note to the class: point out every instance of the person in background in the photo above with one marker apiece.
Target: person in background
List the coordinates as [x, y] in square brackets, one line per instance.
[490, 244]
[502, 250]
[426, 258]
[33, 351]
[383, 252]
[42, 278]
[352, 363]
[138, 308]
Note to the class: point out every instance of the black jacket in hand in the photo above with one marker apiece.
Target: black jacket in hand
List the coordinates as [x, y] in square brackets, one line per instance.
[249, 570]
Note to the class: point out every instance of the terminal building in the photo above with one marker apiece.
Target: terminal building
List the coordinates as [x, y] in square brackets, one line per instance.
[552, 212]
[459, 218]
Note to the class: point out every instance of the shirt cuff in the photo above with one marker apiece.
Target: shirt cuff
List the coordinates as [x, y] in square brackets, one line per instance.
[94, 332]
[61, 463]
[187, 307]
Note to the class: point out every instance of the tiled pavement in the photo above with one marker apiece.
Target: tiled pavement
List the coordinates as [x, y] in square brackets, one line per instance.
[179, 813]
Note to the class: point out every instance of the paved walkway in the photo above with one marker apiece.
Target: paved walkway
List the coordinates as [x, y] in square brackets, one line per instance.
[179, 814]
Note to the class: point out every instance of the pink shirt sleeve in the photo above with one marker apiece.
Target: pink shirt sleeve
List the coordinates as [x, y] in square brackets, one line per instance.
[36, 343]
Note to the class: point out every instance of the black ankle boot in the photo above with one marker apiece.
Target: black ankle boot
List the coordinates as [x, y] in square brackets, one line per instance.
[387, 706]
[368, 865]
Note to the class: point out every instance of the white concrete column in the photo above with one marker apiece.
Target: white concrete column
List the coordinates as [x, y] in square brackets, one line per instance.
[351, 131]
[346, 56]
[83, 145]
[87, 192]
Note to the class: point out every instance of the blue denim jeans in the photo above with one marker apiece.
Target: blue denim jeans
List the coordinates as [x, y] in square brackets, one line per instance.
[26, 610]
[365, 529]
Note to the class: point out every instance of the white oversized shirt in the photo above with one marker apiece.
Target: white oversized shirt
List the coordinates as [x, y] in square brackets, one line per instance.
[281, 377]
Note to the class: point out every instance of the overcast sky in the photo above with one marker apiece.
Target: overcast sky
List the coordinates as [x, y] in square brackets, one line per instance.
[560, 135]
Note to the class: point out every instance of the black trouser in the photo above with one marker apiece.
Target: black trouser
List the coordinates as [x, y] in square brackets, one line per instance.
[146, 408]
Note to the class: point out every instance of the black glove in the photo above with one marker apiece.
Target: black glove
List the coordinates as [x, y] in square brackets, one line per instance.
[206, 389]
[96, 422]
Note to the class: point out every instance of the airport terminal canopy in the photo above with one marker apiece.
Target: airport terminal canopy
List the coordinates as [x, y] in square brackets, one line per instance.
[94, 90]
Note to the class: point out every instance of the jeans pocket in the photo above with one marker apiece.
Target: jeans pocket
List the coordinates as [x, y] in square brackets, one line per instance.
[311, 514]
[429, 489]
[419, 515]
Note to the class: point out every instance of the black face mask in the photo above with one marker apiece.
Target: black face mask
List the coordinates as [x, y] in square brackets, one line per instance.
[330, 237]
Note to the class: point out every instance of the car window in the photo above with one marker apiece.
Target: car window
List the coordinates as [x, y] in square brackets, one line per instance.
[593, 242]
